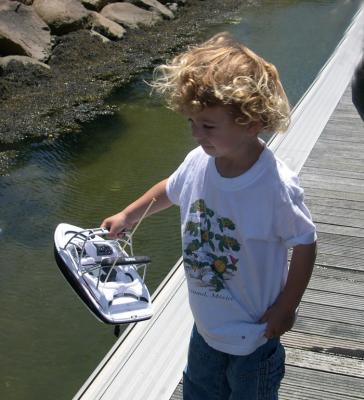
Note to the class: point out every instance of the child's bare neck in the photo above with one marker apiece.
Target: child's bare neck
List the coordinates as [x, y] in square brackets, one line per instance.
[242, 161]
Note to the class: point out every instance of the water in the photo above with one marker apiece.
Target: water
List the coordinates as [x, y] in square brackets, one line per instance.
[49, 343]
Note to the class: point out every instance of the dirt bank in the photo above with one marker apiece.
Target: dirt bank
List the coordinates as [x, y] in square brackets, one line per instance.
[37, 104]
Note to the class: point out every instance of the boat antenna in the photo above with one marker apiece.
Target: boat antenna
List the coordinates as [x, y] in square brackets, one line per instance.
[140, 220]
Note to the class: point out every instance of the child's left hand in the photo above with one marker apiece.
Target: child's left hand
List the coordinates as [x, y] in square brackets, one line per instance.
[279, 320]
[280, 316]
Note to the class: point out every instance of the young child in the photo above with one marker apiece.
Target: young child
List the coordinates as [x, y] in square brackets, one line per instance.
[241, 209]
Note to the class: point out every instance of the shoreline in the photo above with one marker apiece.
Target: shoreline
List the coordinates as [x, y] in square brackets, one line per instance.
[40, 104]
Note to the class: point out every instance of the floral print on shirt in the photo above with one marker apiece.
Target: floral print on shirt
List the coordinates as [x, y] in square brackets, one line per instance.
[209, 247]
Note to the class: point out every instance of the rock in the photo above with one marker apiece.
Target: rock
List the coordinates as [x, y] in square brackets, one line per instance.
[169, 2]
[173, 7]
[103, 38]
[31, 71]
[105, 26]
[7, 63]
[62, 16]
[26, 2]
[155, 5]
[22, 32]
[129, 15]
[94, 4]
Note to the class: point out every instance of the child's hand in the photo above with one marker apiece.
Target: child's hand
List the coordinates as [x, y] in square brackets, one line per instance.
[116, 224]
[279, 320]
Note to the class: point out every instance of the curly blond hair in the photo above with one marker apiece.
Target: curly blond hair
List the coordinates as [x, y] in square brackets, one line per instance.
[222, 71]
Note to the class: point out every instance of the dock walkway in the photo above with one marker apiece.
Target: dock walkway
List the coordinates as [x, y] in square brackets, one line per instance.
[325, 350]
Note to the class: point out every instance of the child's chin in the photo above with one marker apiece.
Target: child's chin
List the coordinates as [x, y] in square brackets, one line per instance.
[209, 150]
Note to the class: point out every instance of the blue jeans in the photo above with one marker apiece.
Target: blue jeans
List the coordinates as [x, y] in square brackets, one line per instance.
[213, 375]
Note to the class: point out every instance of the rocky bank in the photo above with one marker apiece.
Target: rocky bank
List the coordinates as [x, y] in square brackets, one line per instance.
[60, 60]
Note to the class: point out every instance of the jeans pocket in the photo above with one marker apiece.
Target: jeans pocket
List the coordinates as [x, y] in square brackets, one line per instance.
[271, 374]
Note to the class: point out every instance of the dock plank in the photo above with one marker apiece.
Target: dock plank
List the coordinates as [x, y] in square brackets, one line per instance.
[332, 329]
[341, 274]
[339, 230]
[322, 344]
[342, 220]
[341, 240]
[342, 185]
[290, 392]
[328, 260]
[323, 172]
[328, 383]
[325, 362]
[338, 204]
[335, 299]
[332, 313]
[330, 284]
[331, 193]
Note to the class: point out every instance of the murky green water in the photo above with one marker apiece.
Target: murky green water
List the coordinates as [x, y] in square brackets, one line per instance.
[49, 343]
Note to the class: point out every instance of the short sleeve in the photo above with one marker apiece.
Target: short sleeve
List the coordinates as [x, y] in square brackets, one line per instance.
[293, 221]
[177, 180]
[174, 186]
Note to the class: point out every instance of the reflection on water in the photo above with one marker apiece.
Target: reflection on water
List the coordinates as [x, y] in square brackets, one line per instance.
[49, 343]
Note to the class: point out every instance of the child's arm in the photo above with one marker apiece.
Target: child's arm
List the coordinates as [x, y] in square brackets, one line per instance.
[281, 315]
[126, 218]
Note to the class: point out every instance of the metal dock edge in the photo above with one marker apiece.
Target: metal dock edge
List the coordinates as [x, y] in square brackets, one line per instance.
[147, 361]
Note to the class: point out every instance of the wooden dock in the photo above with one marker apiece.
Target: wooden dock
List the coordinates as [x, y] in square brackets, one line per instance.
[325, 349]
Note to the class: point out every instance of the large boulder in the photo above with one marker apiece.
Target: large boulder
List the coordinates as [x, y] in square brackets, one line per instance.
[129, 15]
[10, 63]
[22, 32]
[156, 6]
[105, 26]
[62, 16]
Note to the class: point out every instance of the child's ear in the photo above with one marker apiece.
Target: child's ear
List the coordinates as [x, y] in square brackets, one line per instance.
[254, 128]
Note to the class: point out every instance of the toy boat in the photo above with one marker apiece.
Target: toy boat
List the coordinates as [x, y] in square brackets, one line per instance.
[103, 274]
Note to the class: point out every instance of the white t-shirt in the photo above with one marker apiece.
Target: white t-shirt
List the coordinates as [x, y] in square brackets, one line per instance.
[235, 236]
